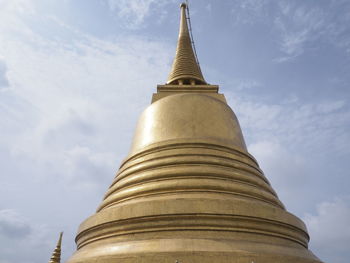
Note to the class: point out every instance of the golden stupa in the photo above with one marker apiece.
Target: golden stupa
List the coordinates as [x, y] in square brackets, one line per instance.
[56, 255]
[189, 191]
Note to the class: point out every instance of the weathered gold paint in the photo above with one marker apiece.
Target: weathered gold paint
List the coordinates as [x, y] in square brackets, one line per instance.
[56, 255]
[190, 192]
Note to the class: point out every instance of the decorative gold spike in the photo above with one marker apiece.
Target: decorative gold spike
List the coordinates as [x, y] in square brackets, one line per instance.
[56, 255]
[185, 69]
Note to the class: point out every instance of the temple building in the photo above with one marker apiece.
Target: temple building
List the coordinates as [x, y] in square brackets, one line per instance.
[189, 191]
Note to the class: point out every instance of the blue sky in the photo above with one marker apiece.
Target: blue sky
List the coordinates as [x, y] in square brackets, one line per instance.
[76, 74]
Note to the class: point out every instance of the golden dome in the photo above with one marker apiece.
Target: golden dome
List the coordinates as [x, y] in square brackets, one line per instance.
[188, 117]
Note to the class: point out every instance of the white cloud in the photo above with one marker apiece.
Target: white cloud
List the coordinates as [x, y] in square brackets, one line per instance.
[298, 25]
[247, 84]
[297, 145]
[67, 118]
[289, 140]
[331, 106]
[208, 7]
[17, 6]
[287, 172]
[330, 230]
[134, 12]
[12, 226]
[20, 240]
[67, 88]
[295, 122]
[250, 11]
[3, 78]
[301, 26]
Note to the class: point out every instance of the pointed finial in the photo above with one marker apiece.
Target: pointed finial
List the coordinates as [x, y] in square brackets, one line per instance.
[185, 69]
[56, 255]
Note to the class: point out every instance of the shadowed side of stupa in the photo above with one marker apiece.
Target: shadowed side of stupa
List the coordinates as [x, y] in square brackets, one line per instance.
[189, 191]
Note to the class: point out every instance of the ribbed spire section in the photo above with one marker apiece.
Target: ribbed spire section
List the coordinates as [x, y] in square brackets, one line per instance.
[56, 255]
[185, 69]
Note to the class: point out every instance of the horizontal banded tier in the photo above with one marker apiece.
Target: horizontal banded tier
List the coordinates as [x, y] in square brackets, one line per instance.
[190, 191]
[190, 168]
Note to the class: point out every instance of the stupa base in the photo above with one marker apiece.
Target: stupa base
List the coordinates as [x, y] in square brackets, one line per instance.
[191, 251]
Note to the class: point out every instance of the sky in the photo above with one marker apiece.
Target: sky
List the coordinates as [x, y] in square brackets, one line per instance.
[76, 74]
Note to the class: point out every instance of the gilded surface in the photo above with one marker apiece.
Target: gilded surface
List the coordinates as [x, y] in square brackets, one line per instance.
[188, 116]
[185, 67]
[56, 255]
[190, 192]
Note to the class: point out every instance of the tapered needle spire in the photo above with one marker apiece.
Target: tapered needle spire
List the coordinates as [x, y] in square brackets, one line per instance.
[56, 255]
[185, 69]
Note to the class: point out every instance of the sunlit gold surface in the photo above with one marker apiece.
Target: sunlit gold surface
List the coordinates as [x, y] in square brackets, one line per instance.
[56, 255]
[183, 117]
[190, 192]
[185, 67]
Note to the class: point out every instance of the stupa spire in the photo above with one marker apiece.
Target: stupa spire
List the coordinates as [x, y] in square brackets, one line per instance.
[185, 69]
[56, 255]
